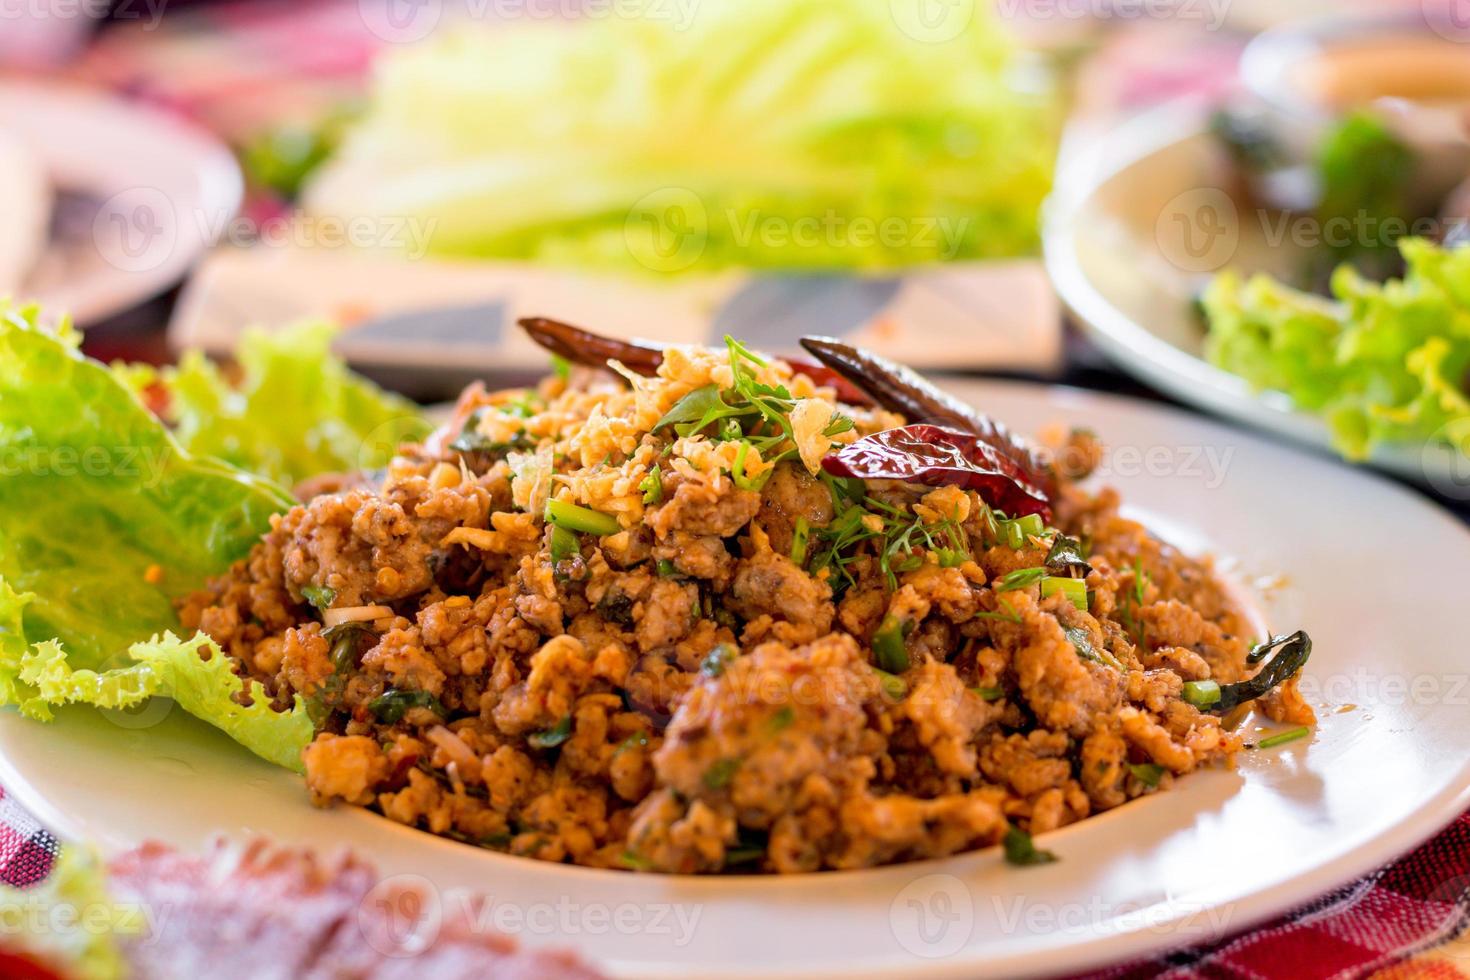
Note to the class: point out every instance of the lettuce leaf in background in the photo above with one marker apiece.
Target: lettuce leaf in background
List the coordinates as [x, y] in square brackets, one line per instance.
[1382, 362]
[295, 411]
[758, 133]
[104, 519]
[87, 948]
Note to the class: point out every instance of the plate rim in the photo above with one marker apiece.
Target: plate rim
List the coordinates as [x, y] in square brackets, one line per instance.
[218, 176]
[1140, 352]
[1096, 951]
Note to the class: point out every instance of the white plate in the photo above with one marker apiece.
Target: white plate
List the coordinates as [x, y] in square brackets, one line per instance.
[25, 200]
[141, 195]
[1138, 224]
[1216, 854]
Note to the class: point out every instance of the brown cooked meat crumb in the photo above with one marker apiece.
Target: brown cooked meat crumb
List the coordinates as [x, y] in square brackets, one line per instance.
[696, 692]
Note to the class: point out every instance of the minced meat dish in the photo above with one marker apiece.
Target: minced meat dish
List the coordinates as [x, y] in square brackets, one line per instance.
[643, 616]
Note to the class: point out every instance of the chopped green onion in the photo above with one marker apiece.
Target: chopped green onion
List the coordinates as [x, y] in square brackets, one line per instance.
[1020, 579]
[552, 737]
[798, 542]
[1031, 525]
[666, 568]
[1202, 694]
[631, 859]
[951, 558]
[717, 659]
[744, 855]
[1022, 850]
[652, 486]
[893, 686]
[638, 740]
[719, 774]
[1015, 538]
[320, 597]
[1009, 616]
[893, 656]
[781, 720]
[561, 367]
[1287, 736]
[1147, 773]
[563, 543]
[1073, 588]
[574, 518]
[989, 693]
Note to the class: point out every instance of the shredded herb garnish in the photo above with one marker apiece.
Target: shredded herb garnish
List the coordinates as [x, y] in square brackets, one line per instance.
[893, 686]
[1147, 773]
[1022, 850]
[719, 774]
[1020, 579]
[888, 643]
[1284, 737]
[781, 720]
[718, 659]
[553, 736]
[320, 596]
[390, 706]
[652, 486]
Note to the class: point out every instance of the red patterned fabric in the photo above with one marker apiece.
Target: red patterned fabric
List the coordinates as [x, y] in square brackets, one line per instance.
[1401, 922]
[27, 850]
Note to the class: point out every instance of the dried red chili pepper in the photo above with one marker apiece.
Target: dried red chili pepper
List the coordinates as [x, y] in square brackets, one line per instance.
[901, 389]
[936, 456]
[584, 347]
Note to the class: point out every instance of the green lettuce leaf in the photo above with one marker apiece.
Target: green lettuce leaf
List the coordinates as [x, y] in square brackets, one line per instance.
[796, 134]
[295, 411]
[104, 520]
[1381, 362]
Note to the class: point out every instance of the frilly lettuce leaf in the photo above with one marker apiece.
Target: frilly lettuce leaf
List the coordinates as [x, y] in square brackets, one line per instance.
[104, 520]
[295, 411]
[1384, 362]
[764, 133]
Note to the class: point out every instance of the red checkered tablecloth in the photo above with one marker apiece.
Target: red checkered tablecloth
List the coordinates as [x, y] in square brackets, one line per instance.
[1408, 919]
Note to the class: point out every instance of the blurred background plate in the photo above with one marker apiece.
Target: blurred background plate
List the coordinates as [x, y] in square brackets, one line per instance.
[138, 196]
[1141, 220]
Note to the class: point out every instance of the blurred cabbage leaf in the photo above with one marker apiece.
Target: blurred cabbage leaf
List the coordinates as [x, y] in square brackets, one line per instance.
[666, 136]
